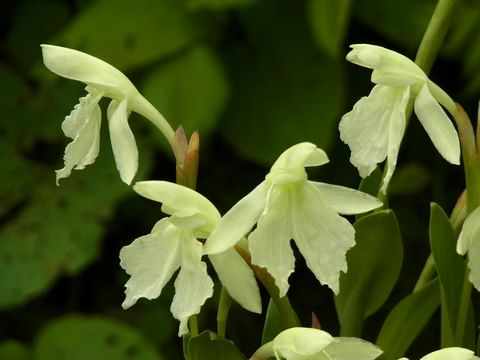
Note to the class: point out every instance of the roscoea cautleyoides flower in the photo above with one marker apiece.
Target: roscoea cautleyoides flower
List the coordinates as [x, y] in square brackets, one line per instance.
[452, 353]
[469, 243]
[285, 206]
[82, 125]
[173, 244]
[375, 127]
[306, 343]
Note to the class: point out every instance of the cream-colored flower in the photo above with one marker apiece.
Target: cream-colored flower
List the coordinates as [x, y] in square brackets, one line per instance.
[469, 243]
[173, 244]
[453, 353]
[305, 343]
[82, 125]
[375, 127]
[288, 206]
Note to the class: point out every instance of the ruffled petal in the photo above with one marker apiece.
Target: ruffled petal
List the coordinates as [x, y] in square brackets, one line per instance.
[438, 126]
[453, 353]
[365, 129]
[345, 200]
[123, 142]
[238, 221]
[150, 261]
[396, 130]
[84, 124]
[238, 279]
[193, 286]
[269, 243]
[179, 200]
[77, 65]
[322, 236]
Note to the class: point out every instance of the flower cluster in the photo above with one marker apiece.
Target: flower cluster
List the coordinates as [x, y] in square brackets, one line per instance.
[286, 206]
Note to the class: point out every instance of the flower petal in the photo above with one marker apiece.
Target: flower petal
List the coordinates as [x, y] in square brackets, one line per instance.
[438, 126]
[346, 348]
[83, 150]
[322, 236]
[238, 279]
[470, 230]
[396, 130]
[345, 200]
[453, 353]
[151, 261]
[77, 65]
[304, 154]
[365, 129]
[178, 200]
[297, 343]
[77, 118]
[238, 221]
[123, 142]
[269, 243]
[193, 286]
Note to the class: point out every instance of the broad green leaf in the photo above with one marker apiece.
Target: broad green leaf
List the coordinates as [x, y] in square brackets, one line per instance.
[14, 350]
[407, 320]
[80, 337]
[273, 323]
[449, 265]
[285, 90]
[217, 5]
[383, 16]
[329, 21]
[129, 36]
[205, 346]
[364, 289]
[59, 229]
[409, 179]
[191, 90]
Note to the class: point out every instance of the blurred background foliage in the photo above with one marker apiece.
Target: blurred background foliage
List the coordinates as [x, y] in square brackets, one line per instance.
[253, 76]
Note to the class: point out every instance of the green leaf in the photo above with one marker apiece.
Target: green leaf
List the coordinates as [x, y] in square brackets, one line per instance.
[371, 184]
[130, 36]
[217, 5]
[364, 289]
[383, 16]
[329, 21]
[79, 337]
[205, 346]
[450, 268]
[285, 90]
[407, 320]
[409, 179]
[191, 90]
[273, 323]
[14, 350]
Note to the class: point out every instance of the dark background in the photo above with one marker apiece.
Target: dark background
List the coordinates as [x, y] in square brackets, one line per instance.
[253, 77]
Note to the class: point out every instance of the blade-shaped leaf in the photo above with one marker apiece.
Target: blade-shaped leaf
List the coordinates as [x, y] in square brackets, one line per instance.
[364, 289]
[273, 323]
[205, 346]
[407, 320]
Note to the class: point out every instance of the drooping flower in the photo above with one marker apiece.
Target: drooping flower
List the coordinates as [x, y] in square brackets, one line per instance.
[375, 127]
[82, 125]
[285, 206]
[469, 243]
[173, 244]
[452, 353]
[306, 343]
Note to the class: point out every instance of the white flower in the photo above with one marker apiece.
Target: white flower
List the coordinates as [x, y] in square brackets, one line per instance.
[375, 127]
[469, 242]
[305, 343]
[83, 123]
[287, 206]
[151, 260]
[453, 353]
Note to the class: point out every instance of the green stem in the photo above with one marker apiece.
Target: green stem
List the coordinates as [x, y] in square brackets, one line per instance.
[222, 314]
[193, 325]
[426, 275]
[435, 34]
